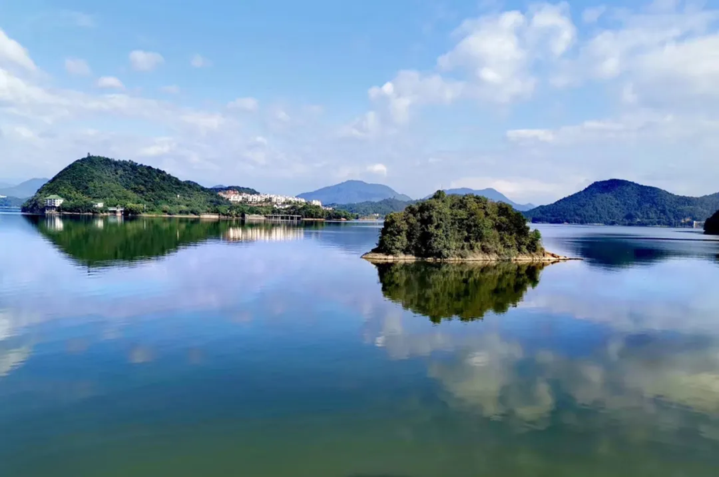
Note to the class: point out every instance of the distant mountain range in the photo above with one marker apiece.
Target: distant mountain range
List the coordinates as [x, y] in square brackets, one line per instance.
[352, 192]
[620, 202]
[24, 190]
[491, 194]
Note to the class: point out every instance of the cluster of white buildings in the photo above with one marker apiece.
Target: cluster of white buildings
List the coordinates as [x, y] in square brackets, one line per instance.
[234, 196]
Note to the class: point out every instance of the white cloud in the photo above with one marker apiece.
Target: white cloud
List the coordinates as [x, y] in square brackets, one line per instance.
[593, 14]
[519, 135]
[198, 61]
[494, 55]
[365, 127]
[79, 19]
[145, 60]
[170, 89]
[13, 53]
[244, 104]
[78, 67]
[410, 88]
[110, 82]
[203, 121]
[282, 116]
[379, 169]
[161, 147]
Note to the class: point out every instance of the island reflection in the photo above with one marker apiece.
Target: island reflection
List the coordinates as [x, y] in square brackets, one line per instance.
[466, 291]
[113, 241]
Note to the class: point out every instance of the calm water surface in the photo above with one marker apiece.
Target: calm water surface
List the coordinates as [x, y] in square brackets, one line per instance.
[177, 348]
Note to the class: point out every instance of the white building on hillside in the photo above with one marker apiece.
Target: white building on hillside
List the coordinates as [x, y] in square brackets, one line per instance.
[53, 201]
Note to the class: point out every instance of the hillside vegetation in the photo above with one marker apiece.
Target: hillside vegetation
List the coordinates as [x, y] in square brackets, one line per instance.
[451, 226]
[383, 207]
[144, 189]
[125, 183]
[619, 202]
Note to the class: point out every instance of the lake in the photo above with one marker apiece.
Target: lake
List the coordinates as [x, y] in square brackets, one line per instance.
[159, 347]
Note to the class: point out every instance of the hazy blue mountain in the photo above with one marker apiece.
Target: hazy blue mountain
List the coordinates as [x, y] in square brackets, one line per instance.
[352, 192]
[620, 202]
[11, 202]
[25, 190]
[491, 194]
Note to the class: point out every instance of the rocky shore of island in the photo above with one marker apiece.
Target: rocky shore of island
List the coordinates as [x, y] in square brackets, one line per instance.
[546, 257]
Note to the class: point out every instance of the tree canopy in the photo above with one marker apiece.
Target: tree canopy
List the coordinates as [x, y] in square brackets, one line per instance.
[450, 226]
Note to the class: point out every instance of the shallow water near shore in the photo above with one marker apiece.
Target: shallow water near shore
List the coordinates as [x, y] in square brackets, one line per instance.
[176, 347]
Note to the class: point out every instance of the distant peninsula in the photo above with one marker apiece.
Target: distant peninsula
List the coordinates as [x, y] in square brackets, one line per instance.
[97, 185]
[452, 228]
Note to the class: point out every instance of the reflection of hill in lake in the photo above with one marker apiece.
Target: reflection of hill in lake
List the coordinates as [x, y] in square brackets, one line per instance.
[100, 242]
[621, 252]
[467, 291]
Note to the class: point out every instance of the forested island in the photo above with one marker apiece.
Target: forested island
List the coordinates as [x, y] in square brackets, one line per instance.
[459, 228]
[711, 226]
[93, 184]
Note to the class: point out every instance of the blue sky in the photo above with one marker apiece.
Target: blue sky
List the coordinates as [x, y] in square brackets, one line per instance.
[535, 99]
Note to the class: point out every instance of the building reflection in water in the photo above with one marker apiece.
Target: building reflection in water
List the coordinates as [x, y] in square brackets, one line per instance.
[263, 234]
[54, 223]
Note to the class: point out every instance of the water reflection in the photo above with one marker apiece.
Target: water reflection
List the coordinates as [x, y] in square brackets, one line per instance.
[108, 241]
[467, 291]
[288, 358]
[616, 248]
[263, 234]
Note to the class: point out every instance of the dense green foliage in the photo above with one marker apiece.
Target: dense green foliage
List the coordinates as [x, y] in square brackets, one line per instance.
[309, 211]
[101, 241]
[457, 226]
[240, 189]
[351, 192]
[618, 202]
[381, 208]
[99, 179]
[143, 189]
[467, 291]
[10, 202]
[711, 226]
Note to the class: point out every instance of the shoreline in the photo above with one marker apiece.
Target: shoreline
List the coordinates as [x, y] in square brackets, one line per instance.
[548, 257]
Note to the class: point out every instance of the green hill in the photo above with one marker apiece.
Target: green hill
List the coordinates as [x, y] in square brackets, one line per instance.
[125, 183]
[711, 226]
[619, 202]
[454, 226]
[382, 207]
